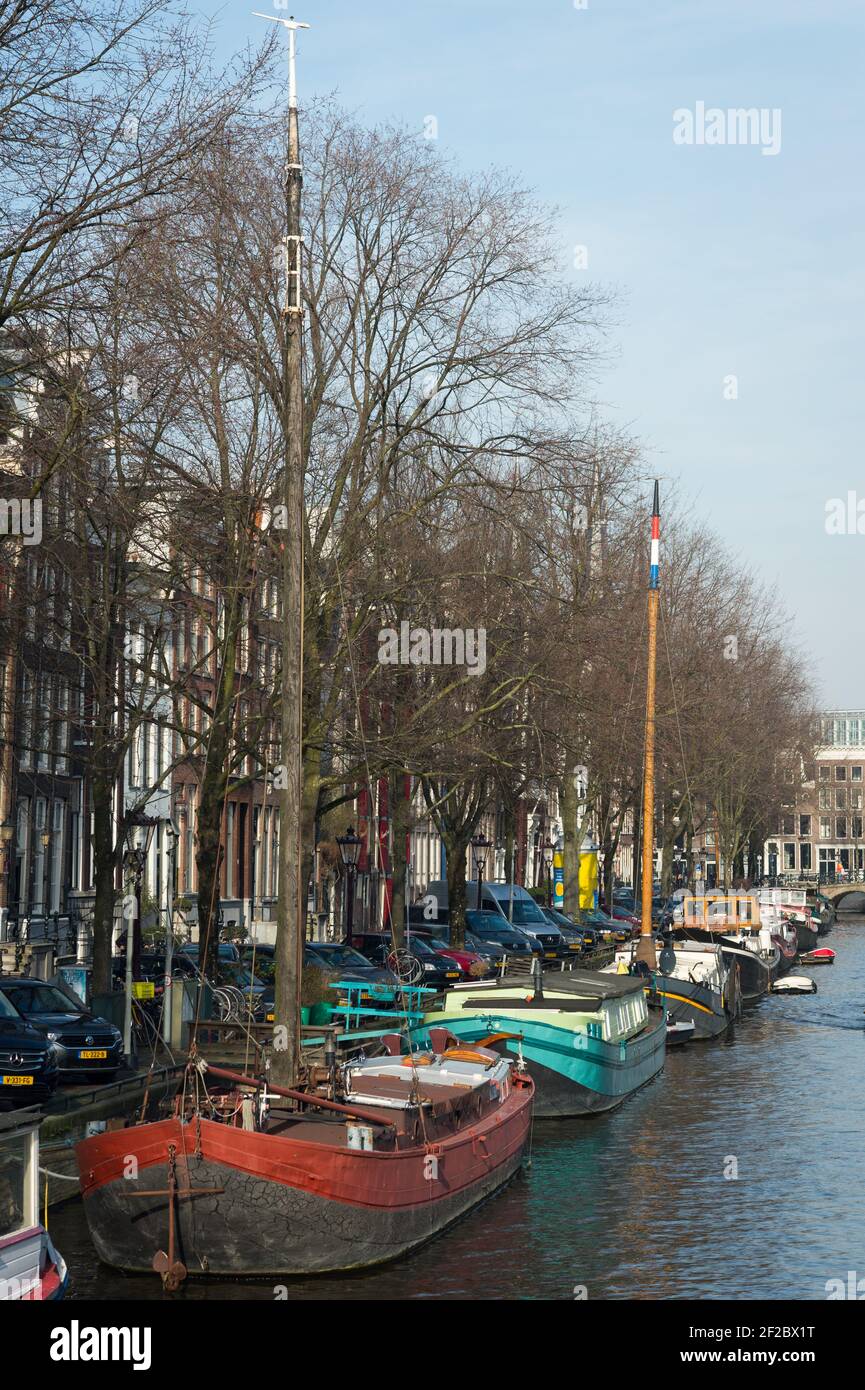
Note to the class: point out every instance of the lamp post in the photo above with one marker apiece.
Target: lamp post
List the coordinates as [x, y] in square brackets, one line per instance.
[7, 832]
[134, 860]
[548, 849]
[480, 848]
[349, 851]
[172, 835]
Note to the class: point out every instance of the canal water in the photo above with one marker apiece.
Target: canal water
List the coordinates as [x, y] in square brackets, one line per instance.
[735, 1174]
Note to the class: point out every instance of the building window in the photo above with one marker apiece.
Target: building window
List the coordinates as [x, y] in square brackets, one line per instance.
[856, 827]
[841, 773]
[824, 773]
[841, 827]
[804, 825]
[825, 828]
[789, 856]
[855, 774]
[841, 799]
[787, 824]
[805, 857]
[824, 799]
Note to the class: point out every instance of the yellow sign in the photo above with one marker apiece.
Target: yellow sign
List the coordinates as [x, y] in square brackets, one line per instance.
[588, 878]
[143, 989]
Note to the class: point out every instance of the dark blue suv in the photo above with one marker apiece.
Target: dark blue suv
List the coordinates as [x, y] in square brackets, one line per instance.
[28, 1062]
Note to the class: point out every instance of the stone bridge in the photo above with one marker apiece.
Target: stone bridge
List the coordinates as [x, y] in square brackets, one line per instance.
[846, 896]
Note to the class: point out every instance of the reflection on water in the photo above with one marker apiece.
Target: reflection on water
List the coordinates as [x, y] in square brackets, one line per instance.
[636, 1204]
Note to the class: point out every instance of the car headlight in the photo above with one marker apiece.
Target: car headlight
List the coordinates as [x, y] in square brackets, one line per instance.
[53, 1037]
[428, 965]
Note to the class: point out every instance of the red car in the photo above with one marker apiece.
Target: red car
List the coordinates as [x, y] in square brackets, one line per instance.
[472, 964]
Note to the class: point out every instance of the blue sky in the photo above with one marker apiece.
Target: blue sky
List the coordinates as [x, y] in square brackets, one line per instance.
[726, 261]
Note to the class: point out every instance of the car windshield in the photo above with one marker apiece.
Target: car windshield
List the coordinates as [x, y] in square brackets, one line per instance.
[41, 999]
[7, 1010]
[340, 955]
[265, 967]
[420, 946]
[437, 943]
[499, 933]
[528, 912]
[238, 974]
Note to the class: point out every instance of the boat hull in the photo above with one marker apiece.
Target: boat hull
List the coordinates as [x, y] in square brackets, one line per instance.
[287, 1207]
[806, 937]
[688, 1001]
[574, 1074]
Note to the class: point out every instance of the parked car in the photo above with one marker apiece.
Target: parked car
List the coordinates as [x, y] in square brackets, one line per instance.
[28, 1061]
[226, 950]
[153, 969]
[468, 960]
[489, 927]
[515, 905]
[487, 950]
[609, 929]
[335, 960]
[581, 939]
[416, 964]
[83, 1042]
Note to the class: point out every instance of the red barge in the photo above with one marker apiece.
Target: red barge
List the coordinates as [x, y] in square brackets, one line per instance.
[233, 1184]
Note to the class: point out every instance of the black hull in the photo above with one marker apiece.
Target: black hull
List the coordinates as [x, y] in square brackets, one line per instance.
[258, 1228]
[755, 973]
[806, 937]
[688, 1002]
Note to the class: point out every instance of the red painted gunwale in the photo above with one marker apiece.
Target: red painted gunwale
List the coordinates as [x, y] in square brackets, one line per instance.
[358, 1177]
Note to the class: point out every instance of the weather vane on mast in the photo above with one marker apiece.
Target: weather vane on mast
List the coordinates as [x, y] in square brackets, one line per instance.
[292, 25]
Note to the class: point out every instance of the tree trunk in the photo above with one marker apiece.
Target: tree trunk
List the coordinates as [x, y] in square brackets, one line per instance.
[571, 846]
[455, 847]
[104, 872]
[210, 812]
[400, 800]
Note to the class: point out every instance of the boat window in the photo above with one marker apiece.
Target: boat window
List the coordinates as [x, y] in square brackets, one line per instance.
[14, 1161]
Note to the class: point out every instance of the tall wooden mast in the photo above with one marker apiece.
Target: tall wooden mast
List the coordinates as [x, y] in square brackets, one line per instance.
[285, 1067]
[646, 945]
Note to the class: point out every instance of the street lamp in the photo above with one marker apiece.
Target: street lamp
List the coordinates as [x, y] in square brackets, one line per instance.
[172, 835]
[349, 852]
[7, 832]
[134, 861]
[548, 849]
[480, 848]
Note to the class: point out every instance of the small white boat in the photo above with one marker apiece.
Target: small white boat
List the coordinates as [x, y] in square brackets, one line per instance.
[794, 984]
[31, 1270]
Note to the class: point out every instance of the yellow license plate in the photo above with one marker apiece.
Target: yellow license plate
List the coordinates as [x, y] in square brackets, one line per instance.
[92, 1056]
[17, 1080]
[550, 955]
